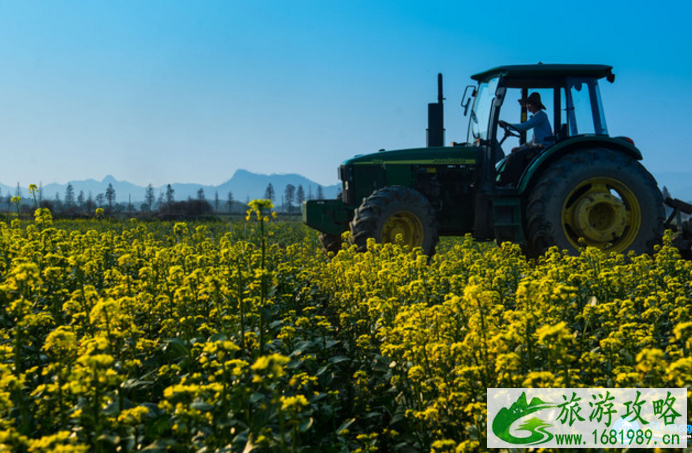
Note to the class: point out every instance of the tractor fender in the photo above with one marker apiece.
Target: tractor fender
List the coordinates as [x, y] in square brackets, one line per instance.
[572, 145]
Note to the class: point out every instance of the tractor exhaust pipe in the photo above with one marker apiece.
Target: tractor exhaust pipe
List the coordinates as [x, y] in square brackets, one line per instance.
[436, 121]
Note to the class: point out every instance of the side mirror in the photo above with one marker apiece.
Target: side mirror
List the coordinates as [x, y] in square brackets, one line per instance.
[466, 99]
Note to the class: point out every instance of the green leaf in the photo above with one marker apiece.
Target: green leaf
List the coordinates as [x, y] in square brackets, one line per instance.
[175, 347]
[218, 337]
[306, 425]
[338, 359]
[345, 425]
[134, 383]
[162, 445]
[108, 439]
[202, 406]
[159, 426]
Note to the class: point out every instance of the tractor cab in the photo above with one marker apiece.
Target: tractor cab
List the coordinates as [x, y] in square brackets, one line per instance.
[572, 103]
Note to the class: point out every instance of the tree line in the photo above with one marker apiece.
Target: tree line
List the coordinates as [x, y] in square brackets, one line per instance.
[292, 194]
[164, 203]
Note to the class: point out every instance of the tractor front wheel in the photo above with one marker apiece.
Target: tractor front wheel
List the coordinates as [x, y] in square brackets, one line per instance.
[601, 197]
[330, 243]
[394, 211]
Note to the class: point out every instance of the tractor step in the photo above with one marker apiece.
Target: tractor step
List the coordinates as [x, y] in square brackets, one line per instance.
[507, 219]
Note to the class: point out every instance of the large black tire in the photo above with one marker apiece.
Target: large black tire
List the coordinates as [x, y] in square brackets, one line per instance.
[602, 196]
[330, 243]
[396, 210]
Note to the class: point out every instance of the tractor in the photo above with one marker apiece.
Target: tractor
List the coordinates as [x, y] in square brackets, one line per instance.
[580, 187]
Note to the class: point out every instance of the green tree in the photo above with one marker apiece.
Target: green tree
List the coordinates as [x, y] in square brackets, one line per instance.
[269, 193]
[110, 195]
[69, 196]
[80, 199]
[89, 204]
[170, 198]
[300, 195]
[58, 206]
[230, 202]
[149, 196]
[289, 196]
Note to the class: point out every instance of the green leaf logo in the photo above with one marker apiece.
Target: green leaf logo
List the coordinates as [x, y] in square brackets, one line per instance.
[535, 426]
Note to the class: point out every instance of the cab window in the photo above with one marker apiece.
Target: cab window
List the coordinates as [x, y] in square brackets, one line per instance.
[480, 114]
[584, 108]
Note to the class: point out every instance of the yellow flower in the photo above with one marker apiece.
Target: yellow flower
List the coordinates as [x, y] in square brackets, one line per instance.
[271, 365]
[293, 403]
[258, 207]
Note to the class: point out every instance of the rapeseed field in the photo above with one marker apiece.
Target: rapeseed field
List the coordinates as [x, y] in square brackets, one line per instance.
[239, 337]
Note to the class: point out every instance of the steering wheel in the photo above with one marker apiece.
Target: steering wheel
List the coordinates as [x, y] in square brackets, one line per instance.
[509, 132]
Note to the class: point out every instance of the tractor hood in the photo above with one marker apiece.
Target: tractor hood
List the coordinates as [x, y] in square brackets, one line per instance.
[443, 155]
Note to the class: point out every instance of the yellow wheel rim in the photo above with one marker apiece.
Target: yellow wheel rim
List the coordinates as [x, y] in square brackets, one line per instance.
[604, 212]
[407, 225]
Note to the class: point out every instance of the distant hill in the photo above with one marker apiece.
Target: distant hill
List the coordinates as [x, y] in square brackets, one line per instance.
[244, 186]
[247, 184]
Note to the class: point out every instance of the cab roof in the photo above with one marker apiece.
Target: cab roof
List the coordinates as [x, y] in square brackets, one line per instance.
[546, 71]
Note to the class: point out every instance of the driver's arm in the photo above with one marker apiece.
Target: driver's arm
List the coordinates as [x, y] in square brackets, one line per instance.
[526, 125]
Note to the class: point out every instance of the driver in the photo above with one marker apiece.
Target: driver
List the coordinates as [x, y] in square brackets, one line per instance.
[538, 122]
[515, 162]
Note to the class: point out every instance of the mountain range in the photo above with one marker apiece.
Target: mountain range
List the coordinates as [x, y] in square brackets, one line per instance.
[244, 186]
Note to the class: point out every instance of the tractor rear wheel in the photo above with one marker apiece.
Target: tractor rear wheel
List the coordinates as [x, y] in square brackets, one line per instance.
[392, 211]
[603, 197]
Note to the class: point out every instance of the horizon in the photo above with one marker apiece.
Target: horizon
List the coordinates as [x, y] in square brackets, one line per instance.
[679, 184]
[134, 193]
[109, 176]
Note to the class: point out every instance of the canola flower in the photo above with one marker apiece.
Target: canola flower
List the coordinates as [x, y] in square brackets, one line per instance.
[245, 337]
[17, 202]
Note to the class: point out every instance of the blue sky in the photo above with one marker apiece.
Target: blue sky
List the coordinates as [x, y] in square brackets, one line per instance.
[162, 91]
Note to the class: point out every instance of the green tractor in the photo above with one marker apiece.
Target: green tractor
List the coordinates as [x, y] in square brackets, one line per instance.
[581, 185]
